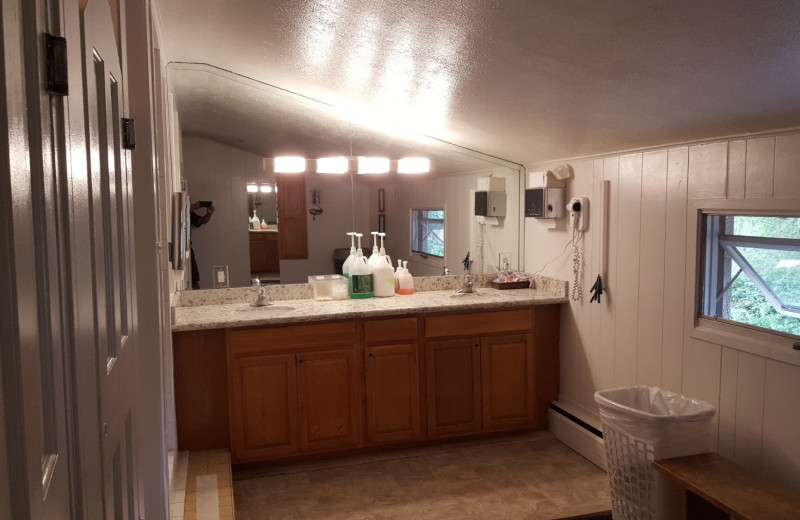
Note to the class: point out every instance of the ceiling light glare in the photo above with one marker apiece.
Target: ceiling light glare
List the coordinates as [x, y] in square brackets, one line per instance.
[252, 187]
[414, 165]
[266, 188]
[290, 164]
[332, 165]
[370, 165]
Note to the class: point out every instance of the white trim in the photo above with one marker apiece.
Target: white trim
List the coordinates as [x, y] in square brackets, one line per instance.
[771, 345]
[578, 438]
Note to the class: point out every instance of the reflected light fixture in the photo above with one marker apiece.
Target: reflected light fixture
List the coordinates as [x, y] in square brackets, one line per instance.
[289, 164]
[333, 165]
[414, 165]
[252, 187]
[266, 188]
[373, 165]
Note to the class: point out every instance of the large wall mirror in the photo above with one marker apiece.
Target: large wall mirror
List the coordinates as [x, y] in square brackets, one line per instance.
[230, 123]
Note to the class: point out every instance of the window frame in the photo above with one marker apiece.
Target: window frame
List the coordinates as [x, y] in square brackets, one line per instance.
[747, 338]
[426, 258]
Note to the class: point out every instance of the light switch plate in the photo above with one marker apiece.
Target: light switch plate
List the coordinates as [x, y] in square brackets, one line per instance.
[220, 276]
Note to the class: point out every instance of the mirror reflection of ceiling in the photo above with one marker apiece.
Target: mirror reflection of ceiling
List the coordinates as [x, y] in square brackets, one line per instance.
[523, 80]
[222, 106]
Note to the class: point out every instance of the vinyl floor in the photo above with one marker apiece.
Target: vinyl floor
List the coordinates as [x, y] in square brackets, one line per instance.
[527, 476]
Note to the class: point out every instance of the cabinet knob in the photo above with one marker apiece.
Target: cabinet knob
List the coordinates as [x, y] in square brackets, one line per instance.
[370, 355]
[477, 345]
[299, 360]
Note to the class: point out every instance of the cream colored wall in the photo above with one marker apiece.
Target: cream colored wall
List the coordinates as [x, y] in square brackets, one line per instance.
[454, 194]
[637, 335]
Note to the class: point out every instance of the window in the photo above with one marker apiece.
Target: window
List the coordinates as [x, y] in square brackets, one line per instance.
[427, 232]
[751, 271]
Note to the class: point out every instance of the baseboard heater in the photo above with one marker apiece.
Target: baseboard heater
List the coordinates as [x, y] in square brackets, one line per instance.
[579, 422]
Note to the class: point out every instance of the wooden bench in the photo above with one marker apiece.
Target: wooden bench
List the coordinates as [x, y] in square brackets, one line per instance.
[716, 488]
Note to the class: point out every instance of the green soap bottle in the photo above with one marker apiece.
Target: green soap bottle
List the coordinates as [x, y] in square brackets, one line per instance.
[360, 285]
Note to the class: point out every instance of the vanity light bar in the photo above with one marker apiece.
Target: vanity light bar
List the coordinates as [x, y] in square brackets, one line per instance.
[414, 165]
[252, 187]
[341, 165]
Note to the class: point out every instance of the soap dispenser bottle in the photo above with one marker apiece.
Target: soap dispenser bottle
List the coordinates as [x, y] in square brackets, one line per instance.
[352, 257]
[254, 222]
[373, 258]
[360, 275]
[383, 249]
[383, 279]
[405, 280]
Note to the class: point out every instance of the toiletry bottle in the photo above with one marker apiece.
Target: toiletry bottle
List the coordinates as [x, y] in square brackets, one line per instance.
[352, 257]
[373, 258]
[383, 249]
[406, 281]
[263, 224]
[383, 277]
[397, 275]
[254, 222]
[360, 275]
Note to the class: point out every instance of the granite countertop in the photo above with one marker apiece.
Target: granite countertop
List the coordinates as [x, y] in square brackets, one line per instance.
[228, 315]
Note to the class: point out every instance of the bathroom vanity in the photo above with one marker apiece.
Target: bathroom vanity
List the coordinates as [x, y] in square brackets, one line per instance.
[307, 377]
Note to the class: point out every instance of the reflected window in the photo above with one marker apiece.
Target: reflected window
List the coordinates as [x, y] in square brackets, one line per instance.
[751, 270]
[427, 232]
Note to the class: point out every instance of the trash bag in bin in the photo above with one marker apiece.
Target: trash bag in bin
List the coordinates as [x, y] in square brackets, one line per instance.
[641, 424]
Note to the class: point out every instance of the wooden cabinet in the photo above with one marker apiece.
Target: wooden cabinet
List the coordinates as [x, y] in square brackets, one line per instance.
[264, 252]
[392, 380]
[288, 390]
[263, 406]
[453, 386]
[481, 382]
[292, 213]
[507, 381]
[293, 389]
[327, 389]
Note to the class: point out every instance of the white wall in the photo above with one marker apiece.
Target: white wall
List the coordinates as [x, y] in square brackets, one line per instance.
[638, 334]
[454, 193]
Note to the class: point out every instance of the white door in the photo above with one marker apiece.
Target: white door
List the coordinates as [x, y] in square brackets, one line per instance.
[36, 341]
[110, 231]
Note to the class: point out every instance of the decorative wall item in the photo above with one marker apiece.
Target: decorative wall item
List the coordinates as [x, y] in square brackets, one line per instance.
[382, 223]
[381, 200]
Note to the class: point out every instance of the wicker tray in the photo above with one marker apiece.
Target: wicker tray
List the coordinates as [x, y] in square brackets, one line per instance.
[510, 285]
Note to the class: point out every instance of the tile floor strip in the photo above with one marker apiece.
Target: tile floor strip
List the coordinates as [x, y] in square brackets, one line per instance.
[207, 497]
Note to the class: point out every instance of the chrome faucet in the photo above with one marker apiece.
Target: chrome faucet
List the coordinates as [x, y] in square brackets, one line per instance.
[446, 271]
[261, 297]
[467, 287]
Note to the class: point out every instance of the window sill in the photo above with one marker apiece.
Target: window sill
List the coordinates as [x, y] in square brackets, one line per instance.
[773, 346]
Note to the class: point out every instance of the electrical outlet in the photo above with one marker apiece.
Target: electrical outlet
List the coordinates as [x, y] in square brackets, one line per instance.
[503, 260]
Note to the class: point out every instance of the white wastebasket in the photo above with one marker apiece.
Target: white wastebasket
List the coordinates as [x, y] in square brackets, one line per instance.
[641, 424]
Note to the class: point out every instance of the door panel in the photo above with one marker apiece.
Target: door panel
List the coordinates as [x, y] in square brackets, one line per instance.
[328, 392]
[506, 371]
[392, 392]
[263, 406]
[110, 232]
[453, 386]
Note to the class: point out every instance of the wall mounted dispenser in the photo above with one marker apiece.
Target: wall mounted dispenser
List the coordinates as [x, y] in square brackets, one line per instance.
[490, 203]
[545, 202]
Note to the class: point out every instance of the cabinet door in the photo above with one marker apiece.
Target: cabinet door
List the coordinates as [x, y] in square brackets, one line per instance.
[258, 253]
[392, 388]
[507, 380]
[328, 399]
[271, 255]
[453, 386]
[263, 406]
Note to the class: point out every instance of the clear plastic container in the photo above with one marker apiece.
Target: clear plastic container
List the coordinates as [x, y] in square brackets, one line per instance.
[329, 287]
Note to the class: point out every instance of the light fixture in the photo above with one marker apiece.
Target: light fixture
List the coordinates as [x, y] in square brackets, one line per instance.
[252, 187]
[373, 165]
[289, 165]
[333, 165]
[414, 165]
[266, 188]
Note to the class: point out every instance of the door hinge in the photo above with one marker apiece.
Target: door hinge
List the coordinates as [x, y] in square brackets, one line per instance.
[128, 133]
[55, 49]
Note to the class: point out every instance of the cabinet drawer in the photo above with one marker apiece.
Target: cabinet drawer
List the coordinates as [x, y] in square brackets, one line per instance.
[479, 323]
[390, 329]
[244, 341]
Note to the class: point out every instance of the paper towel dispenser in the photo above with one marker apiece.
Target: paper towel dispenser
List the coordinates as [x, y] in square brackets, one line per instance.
[490, 203]
[545, 202]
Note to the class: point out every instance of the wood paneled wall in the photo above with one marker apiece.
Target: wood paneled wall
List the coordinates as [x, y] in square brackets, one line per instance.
[637, 335]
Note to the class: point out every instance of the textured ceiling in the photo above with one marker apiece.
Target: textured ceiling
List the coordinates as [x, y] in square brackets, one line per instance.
[521, 80]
